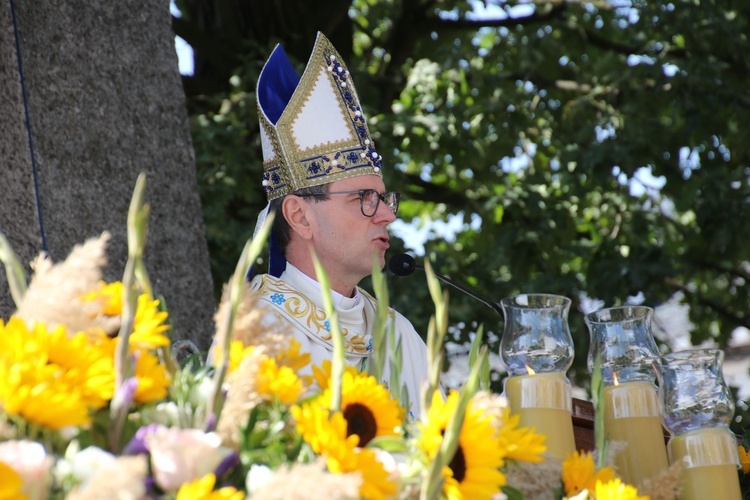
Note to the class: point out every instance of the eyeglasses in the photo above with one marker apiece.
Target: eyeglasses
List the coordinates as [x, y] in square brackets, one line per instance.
[369, 200]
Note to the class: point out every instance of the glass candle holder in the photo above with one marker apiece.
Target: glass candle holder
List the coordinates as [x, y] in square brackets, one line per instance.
[622, 340]
[698, 407]
[537, 350]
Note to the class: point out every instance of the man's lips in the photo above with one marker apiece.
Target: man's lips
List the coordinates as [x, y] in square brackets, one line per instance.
[382, 241]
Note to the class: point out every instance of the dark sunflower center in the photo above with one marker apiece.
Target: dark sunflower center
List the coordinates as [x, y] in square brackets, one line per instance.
[360, 421]
[458, 463]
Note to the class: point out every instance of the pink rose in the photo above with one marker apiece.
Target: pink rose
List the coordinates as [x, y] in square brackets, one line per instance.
[179, 456]
[30, 461]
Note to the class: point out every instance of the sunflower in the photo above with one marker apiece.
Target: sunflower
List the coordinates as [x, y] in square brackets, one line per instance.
[473, 472]
[203, 489]
[744, 459]
[278, 382]
[368, 407]
[327, 436]
[10, 483]
[615, 489]
[87, 364]
[579, 473]
[35, 389]
[149, 323]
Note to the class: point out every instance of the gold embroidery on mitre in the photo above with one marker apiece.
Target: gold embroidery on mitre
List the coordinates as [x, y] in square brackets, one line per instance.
[325, 100]
[295, 307]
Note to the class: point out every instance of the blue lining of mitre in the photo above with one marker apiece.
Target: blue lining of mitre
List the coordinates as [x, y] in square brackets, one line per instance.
[276, 86]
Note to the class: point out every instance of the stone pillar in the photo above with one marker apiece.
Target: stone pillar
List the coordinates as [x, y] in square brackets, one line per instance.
[105, 102]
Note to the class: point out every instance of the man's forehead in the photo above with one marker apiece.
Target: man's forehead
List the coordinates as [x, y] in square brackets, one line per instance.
[369, 181]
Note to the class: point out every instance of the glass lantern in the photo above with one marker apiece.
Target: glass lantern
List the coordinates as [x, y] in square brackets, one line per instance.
[537, 350]
[698, 407]
[622, 340]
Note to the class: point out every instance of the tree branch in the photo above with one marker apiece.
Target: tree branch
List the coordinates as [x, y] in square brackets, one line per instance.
[738, 319]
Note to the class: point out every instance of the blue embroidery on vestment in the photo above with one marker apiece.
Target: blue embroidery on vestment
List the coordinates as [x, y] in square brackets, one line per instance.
[327, 324]
[278, 298]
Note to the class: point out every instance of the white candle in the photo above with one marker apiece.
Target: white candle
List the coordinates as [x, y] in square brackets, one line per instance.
[632, 421]
[710, 462]
[543, 401]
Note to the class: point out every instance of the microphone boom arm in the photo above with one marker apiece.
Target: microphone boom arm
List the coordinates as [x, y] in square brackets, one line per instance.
[468, 292]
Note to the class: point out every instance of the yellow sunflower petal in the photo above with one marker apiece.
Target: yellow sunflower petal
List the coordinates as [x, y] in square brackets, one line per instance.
[322, 373]
[616, 490]
[521, 443]
[744, 459]
[153, 379]
[10, 483]
[40, 391]
[278, 382]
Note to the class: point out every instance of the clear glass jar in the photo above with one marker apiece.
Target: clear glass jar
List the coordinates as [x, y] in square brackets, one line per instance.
[693, 393]
[536, 334]
[622, 338]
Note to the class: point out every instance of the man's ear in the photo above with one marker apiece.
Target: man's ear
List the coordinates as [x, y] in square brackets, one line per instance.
[297, 213]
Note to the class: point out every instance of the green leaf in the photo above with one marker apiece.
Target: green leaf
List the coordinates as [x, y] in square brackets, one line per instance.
[389, 444]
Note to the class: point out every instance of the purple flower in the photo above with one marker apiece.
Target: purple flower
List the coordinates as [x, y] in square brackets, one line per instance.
[139, 445]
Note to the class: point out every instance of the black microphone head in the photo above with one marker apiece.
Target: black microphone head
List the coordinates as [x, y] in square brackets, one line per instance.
[402, 264]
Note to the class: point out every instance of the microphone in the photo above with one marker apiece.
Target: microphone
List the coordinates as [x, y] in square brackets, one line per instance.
[403, 264]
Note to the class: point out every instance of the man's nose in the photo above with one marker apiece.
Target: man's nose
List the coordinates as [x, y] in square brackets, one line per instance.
[384, 214]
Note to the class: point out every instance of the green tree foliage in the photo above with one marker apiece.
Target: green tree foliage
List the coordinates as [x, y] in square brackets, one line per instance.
[535, 122]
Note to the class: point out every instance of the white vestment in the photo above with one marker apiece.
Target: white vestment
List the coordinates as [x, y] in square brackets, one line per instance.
[296, 299]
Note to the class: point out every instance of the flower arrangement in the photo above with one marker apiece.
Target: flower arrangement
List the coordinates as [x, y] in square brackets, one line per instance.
[95, 404]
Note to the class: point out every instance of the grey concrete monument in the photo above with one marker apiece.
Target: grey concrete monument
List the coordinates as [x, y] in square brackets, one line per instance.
[101, 86]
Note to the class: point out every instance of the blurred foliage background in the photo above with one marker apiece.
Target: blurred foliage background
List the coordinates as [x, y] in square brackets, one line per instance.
[590, 149]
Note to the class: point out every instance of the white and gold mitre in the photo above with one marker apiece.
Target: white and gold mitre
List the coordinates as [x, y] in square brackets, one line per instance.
[312, 128]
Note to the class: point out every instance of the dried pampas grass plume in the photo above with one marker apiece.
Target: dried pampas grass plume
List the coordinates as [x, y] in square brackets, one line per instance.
[123, 480]
[665, 486]
[241, 398]
[308, 481]
[492, 405]
[54, 296]
[254, 323]
[535, 480]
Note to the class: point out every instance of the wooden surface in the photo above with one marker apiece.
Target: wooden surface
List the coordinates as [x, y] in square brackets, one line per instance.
[583, 424]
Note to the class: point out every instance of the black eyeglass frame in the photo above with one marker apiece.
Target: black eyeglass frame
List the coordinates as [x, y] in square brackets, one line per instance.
[363, 192]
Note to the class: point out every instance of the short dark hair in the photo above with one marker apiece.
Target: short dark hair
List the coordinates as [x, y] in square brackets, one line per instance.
[280, 229]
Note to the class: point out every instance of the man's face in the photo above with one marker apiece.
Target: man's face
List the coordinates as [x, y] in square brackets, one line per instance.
[343, 238]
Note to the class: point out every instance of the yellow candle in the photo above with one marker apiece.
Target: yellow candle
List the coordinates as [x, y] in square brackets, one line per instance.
[710, 464]
[632, 424]
[543, 401]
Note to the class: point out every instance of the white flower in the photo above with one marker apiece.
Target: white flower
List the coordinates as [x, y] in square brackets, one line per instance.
[88, 462]
[167, 414]
[31, 462]
[182, 455]
[257, 476]
[200, 393]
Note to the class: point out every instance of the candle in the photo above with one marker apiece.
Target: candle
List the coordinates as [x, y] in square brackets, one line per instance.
[632, 420]
[710, 464]
[543, 401]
